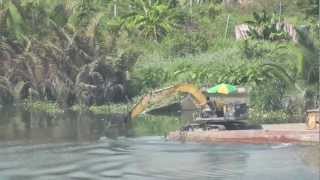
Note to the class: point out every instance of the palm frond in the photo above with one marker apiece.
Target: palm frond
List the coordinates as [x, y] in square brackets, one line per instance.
[15, 22]
[94, 23]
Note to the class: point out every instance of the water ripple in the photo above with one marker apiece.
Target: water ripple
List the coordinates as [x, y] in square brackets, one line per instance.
[145, 159]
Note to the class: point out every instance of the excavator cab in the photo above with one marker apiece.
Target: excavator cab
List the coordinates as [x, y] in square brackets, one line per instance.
[227, 112]
[236, 111]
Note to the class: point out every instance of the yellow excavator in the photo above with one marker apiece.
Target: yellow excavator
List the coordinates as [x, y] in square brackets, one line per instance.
[208, 114]
[215, 114]
[155, 97]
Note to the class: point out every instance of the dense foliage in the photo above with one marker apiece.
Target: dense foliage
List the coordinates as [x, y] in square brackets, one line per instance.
[93, 52]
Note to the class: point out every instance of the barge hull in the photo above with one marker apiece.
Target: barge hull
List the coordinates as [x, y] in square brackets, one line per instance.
[265, 136]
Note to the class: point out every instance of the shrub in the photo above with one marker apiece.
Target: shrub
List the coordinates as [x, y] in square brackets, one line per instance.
[182, 44]
[309, 7]
[152, 77]
[211, 11]
[268, 117]
[268, 96]
[135, 85]
[257, 49]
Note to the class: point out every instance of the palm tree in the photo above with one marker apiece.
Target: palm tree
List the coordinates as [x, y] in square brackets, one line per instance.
[257, 74]
[20, 19]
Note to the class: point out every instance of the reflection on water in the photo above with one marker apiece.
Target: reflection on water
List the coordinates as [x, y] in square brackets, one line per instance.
[44, 128]
[71, 126]
[78, 146]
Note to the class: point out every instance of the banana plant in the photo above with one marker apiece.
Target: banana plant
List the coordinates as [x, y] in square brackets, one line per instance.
[12, 22]
[266, 27]
[152, 20]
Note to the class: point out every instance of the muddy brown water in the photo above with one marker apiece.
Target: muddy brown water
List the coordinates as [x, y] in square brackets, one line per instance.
[84, 146]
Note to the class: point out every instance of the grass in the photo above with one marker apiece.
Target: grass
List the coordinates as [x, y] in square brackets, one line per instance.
[53, 108]
[42, 106]
[103, 109]
[110, 109]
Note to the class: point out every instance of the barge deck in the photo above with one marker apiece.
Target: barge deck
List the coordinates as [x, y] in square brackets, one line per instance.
[270, 134]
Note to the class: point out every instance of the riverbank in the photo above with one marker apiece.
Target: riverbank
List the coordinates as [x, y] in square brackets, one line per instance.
[54, 108]
[270, 134]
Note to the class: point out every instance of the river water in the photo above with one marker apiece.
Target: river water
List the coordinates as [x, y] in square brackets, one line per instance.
[83, 146]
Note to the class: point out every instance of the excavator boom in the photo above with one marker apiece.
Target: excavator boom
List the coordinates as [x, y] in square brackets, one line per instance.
[159, 95]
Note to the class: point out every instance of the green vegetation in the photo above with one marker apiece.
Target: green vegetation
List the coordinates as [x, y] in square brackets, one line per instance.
[268, 117]
[267, 27]
[40, 106]
[157, 125]
[104, 109]
[90, 54]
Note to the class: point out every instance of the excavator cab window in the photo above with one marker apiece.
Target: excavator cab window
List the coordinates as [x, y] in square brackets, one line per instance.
[212, 104]
[220, 112]
[215, 110]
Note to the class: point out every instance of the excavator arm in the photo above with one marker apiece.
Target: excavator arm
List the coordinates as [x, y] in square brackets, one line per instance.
[159, 95]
